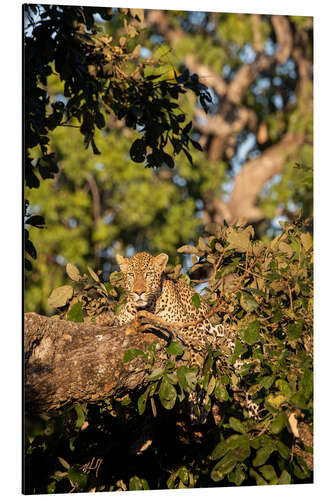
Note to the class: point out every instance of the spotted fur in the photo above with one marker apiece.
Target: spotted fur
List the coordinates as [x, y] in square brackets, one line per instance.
[149, 288]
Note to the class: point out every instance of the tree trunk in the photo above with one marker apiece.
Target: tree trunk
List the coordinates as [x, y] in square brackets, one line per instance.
[67, 362]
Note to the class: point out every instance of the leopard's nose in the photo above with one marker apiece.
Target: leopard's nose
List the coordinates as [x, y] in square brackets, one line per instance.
[139, 291]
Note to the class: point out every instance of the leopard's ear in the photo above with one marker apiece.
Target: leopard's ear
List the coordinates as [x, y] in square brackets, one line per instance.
[161, 260]
[122, 261]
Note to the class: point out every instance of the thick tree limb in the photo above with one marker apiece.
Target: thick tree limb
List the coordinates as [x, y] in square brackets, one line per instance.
[67, 362]
[254, 175]
[249, 182]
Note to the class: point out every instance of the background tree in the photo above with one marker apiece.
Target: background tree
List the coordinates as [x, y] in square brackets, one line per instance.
[260, 69]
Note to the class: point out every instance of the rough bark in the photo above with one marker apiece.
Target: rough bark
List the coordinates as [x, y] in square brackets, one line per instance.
[254, 175]
[68, 362]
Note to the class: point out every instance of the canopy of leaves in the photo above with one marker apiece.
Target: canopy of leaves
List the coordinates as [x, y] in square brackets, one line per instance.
[99, 73]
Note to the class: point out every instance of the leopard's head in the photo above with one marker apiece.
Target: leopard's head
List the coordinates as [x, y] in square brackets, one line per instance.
[142, 276]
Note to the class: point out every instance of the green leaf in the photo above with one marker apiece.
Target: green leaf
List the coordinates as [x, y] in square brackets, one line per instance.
[135, 484]
[283, 450]
[284, 478]
[142, 401]
[80, 416]
[266, 382]
[220, 392]
[300, 469]
[278, 423]
[51, 487]
[75, 313]
[248, 302]
[299, 401]
[222, 468]
[167, 394]
[283, 387]
[237, 425]
[184, 475]
[294, 330]
[157, 373]
[187, 378]
[276, 400]
[263, 454]
[219, 450]
[238, 350]
[251, 334]
[77, 477]
[268, 472]
[126, 401]
[259, 479]
[60, 296]
[307, 384]
[131, 354]
[237, 475]
[175, 348]
[172, 378]
[196, 300]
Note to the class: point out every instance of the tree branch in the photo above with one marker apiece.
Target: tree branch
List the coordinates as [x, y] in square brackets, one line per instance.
[254, 175]
[67, 362]
[95, 197]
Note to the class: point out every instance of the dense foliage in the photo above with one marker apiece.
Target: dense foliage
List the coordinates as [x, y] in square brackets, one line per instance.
[252, 420]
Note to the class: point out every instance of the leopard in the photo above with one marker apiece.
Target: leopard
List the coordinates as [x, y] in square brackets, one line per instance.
[149, 288]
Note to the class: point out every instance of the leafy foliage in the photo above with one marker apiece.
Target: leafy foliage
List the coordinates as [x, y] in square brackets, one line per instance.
[33, 221]
[251, 422]
[100, 77]
[66, 41]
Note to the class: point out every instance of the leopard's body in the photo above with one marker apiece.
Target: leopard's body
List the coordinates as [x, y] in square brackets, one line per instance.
[149, 288]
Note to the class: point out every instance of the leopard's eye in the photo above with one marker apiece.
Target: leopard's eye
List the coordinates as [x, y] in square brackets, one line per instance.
[149, 274]
[130, 275]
